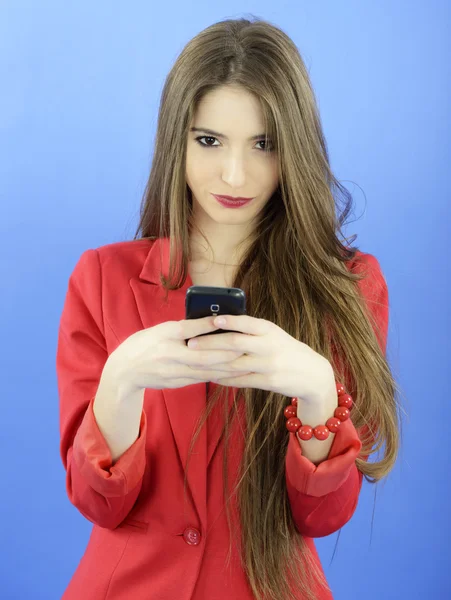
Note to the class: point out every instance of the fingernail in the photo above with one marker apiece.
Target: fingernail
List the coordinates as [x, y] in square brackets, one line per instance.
[220, 321]
[193, 344]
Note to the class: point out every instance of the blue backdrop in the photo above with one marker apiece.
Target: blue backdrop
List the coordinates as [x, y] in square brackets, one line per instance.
[80, 88]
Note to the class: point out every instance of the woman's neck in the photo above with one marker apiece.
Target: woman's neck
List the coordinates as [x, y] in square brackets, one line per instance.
[224, 248]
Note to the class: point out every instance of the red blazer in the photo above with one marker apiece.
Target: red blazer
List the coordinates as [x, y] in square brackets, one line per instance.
[149, 541]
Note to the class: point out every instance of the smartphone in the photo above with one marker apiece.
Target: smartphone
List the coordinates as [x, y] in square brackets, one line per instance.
[205, 301]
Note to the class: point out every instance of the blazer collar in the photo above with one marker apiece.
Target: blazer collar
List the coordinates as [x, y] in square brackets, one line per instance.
[157, 261]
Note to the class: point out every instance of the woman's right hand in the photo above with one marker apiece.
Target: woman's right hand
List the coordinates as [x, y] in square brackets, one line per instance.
[159, 358]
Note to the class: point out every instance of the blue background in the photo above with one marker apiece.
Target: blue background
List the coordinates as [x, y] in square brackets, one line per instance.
[80, 88]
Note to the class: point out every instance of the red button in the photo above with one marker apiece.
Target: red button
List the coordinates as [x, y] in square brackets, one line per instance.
[192, 536]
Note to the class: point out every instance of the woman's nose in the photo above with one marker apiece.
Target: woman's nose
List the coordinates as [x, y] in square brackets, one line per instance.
[234, 171]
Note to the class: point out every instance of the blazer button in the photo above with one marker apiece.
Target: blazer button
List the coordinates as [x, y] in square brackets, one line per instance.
[192, 536]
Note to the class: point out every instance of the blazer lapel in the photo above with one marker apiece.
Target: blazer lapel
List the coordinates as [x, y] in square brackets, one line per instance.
[184, 405]
[216, 421]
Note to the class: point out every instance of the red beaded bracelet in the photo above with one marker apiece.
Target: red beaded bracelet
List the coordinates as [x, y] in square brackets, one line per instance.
[321, 432]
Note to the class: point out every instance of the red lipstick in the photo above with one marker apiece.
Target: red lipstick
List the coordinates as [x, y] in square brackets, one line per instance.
[231, 202]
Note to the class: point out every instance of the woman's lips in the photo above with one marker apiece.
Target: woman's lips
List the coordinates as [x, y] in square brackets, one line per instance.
[232, 202]
[232, 198]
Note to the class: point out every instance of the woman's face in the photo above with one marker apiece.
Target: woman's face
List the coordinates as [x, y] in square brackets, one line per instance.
[229, 162]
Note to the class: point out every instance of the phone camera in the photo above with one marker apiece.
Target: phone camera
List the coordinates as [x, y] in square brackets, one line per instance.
[214, 308]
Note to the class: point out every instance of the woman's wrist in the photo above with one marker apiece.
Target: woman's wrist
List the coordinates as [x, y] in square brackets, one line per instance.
[319, 411]
[322, 402]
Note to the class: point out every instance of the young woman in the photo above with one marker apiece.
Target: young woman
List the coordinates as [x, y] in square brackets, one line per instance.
[200, 483]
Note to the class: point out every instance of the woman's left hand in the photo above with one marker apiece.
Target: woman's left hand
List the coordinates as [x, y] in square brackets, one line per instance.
[270, 359]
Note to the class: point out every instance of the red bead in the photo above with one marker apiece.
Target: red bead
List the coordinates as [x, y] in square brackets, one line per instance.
[293, 424]
[340, 388]
[290, 411]
[345, 400]
[342, 413]
[333, 424]
[305, 432]
[321, 432]
[294, 402]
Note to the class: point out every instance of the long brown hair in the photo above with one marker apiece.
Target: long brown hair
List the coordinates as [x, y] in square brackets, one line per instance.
[294, 274]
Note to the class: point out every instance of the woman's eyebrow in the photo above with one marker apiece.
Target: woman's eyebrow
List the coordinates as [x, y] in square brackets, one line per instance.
[221, 135]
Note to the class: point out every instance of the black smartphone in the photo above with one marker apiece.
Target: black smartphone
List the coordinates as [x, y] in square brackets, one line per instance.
[205, 301]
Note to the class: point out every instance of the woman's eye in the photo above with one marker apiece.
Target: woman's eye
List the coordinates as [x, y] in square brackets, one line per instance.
[208, 137]
[204, 137]
[269, 149]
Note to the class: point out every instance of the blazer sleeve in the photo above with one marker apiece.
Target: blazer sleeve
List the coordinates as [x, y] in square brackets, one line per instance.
[102, 491]
[323, 498]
